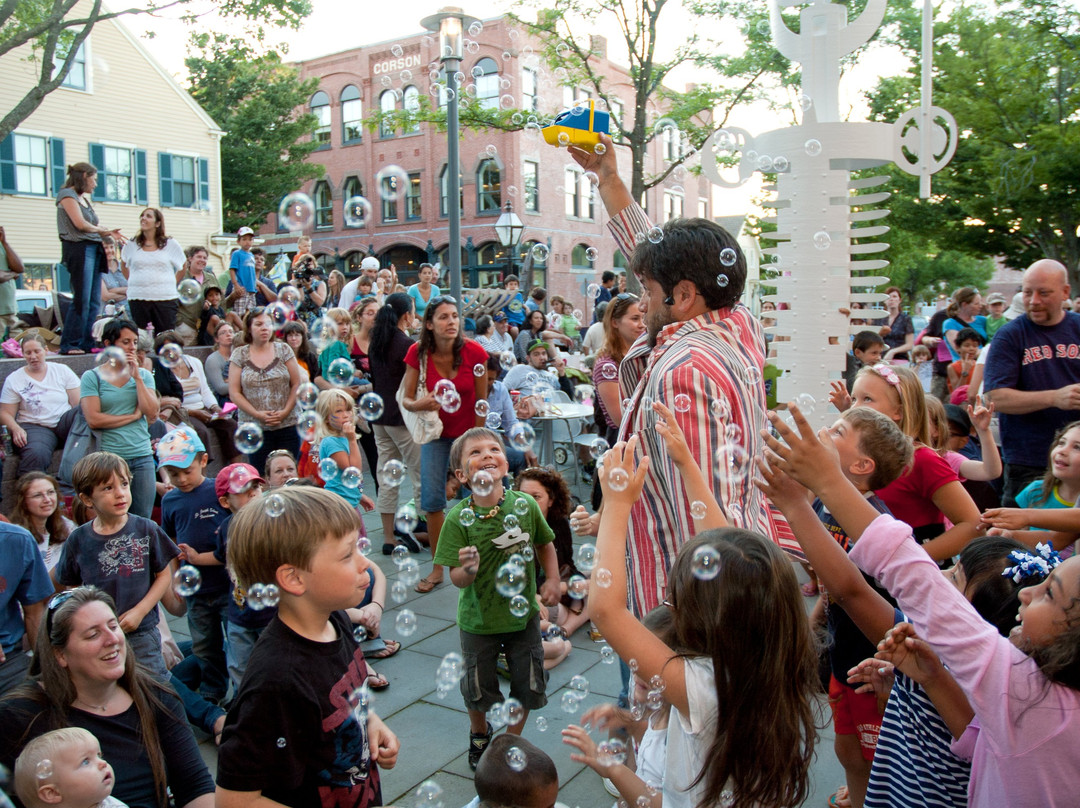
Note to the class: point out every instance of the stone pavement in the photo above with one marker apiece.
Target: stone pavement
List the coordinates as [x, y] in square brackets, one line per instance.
[434, 731]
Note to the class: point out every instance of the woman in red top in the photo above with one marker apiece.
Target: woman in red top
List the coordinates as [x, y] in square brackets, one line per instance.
[447, 356]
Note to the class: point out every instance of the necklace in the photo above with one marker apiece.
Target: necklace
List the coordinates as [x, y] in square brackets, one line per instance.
[97, 707]
[494, 510]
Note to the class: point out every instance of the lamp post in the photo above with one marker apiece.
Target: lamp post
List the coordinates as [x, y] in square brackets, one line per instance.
[509, 229]
[449, 23]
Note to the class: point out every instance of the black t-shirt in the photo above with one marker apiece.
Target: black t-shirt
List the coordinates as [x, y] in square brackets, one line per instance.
[292, 733]
[387, 371]
[239, 614]
[898, 331]
[933, 329]
[24, 719]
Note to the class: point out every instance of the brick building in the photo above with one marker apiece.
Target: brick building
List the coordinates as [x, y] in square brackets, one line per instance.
[556, 203]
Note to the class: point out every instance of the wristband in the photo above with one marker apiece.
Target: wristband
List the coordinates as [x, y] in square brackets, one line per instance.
[376, 603]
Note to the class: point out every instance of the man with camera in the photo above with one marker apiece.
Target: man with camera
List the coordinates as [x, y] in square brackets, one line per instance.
[307, 277]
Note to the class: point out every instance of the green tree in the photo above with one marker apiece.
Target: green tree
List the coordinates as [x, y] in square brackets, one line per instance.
[1011, 77]
[54, 30]
[257, 101]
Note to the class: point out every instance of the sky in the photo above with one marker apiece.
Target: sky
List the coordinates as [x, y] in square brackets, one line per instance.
[324, 32]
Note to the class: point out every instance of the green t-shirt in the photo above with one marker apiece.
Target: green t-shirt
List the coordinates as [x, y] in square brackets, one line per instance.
[335, 350]
[131, 440]
[993, 324]
[7, 289]
[481, 609]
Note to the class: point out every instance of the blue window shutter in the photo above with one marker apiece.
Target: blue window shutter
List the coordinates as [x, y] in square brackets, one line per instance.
[56, 164]
[142, 190]
[165, 177]
[7, 165]
[204, 184]
[97, 160]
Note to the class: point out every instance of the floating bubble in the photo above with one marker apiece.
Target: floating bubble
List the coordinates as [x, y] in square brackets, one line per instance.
[733, 433]
[570, 703]
[44, 769]
[340, 372]
[399, 593]
[405, 76]
[765, 163]
[510, 522]
[476, 28]
[256, 597]
[805, 102]
[599, 148]
[171, 355]
[722, 280]
[654, 699]
[592, 177]
[396, 50]
[698, 509]
[720, 408]
[467, 517]
[279, 314]
[519, 606]
[443, 390]
[577, 587]
[506, 101]
[296, 211]
[429, 795]
[510, 580]
[274, 505]
[812, 147]
[592, 291]
[352, 477]
[363, 545]
[586, 557]
[357, 211]
[780, 164]
[271, 596]
[728, 257]
[602, 577]
[112, 365]
[705, 563]
[189, 290]
[683, 403]
[406, 519]
[187, 580]
[822, 240]
[490, 150]
[248, 438]
[611, 752]
[482, 483]
[541, 724]
[479, 370]
[806, 403]
[522, 436]
[618, 479]
[391, 181]
[359, 633]
[323, 332]
[580, 685]
[511, 191]
[607, 655]
[733, 461]
[752, 374]
[597, 448]
[371, 406]
[393, 473]
[521, 506]
[409, 572]
[406, 623]
[655, 234]
[512, 711]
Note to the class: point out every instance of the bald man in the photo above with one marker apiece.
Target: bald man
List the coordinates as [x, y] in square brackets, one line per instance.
[1033, 375]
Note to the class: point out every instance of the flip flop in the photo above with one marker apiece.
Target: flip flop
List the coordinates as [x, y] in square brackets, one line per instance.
[426, 585]
[840, 798]
[392, 647]
[376, 681]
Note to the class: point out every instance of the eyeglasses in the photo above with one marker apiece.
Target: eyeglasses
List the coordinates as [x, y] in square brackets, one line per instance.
[43, 495]
[438, 301]
[58, 600]
[625, 296]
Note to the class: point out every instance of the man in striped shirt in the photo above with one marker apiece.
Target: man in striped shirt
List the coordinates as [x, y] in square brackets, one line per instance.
[702, 356]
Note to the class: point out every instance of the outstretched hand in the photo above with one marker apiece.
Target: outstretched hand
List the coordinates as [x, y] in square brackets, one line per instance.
[839, 396]
[980, 416]
[673, 436]
[1005, 518]
[783, 491]
[873, 676]
[804, 456]
[618, 468]
[605, 164]
[909, 653]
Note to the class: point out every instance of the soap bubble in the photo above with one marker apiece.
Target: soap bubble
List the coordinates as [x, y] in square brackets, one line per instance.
[580, 685]
[611, 752]
[682, 403]
[592, 254]
[722, 280]
[493, 420]
[397, 50]
[752, 374]
[602, 577]
[340, 372]
[391, 181]
[733, 433]
[720, 408]
[444, 389]
[540, 251]
[44, 769]
[399, 593]
[352, 477]
[733, 462]
[112, 365]
[171, 355]
[519, 606]
[467, 517]
[592, 291]
[429, 795]
[323, 331]
[359, 633]
[274, 505]
[728, 257]
[822, 240]
[513, 712]
[255, 597]
[510, 522]
[482, 483]
[510, 580]
[597, 448]
[765, 163]
[570, 703]
[406, 519]
[655, 234]
[248, 438]
[476, 28]
[577, 587]
[279, 314]
[290, 296]
[357, 211]
[780, 164]
[805, 102]
[522, 436]
[698, 509]
[654, 699]
[812, 147]
[271, 595]
[189, 290]
[607, 655]
[490, 150]
[371, 406]
[541, 724]
[406, 623]
[600, 148]
[363, 545]
[705, 563]
[618, 479]
[515, 759]
[585, 557]
[479, 370]
[187, 580]
[392, 473]
[806, 403]
[521, 506]
[296, 211]
[409, 572]
[482, 408]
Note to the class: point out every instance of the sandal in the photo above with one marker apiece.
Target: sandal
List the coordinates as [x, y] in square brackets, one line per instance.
[426, 585]
[840, 798]
[376, 681]
[392, 647]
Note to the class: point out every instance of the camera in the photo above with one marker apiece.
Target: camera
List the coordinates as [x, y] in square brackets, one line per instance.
[307, 271]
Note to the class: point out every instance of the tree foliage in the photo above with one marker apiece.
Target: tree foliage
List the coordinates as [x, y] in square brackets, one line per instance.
[256, 99]
[1011, 77]
[54, 30]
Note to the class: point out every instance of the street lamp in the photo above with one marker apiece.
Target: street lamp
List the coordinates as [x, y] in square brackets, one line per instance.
[509, 229]
[449, 23]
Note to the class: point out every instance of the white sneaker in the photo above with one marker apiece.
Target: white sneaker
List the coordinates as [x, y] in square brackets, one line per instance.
[610, 788]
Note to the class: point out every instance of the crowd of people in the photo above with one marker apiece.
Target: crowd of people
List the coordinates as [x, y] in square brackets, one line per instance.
[935, 519]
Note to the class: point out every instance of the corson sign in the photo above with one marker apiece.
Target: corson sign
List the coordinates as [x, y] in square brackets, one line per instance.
[392, 65]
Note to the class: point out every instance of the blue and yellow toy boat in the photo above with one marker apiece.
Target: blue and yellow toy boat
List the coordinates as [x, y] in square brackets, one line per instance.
[578, 126]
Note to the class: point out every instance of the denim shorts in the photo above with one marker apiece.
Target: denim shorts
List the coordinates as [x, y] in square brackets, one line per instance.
[434, 464]
[525, 657]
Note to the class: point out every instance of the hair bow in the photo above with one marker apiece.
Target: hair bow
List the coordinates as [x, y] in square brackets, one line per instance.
[1032, 565]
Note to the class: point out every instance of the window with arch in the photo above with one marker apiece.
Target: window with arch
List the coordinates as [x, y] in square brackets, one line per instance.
[412, 106]
[352, 187]
[324, 205]
[320, 108]
[486, 73]
[488, 187]
[619, 261]
[444, 204]
[579, 259]
[387, 104]
[352, 115]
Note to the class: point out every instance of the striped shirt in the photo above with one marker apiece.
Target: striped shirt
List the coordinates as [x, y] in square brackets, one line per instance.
[715, 357]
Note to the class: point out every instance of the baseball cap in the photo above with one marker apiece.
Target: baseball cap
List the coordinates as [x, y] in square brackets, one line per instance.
[1016, 308]
[995, 297]
[371, 262]
[245, 231]
[179, 448]
[498, 317]
[236, 479]
[957, 416]
[537, 343]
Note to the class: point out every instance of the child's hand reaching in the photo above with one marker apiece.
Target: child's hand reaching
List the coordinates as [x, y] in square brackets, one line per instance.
[605, 717]
[873, 676]
[909, 654]
[469, 558]
[578, 738]
[839, 397]
[808, 458]
[584, 523]
[673, 436]
[1005, 518]
[367, 503]
[980, 416]
[619, 480]
[781, 489]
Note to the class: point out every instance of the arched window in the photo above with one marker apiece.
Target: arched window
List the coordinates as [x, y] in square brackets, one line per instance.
[486, 74]
[488, 188]
[324, 205]
[412, 106]
[443, 194]
[387, 104]
[352, 115]
[578, 257]
[619, 261]
[352, 188]
[320, 108]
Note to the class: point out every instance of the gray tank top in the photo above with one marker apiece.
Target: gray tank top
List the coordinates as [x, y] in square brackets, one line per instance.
[67, 230]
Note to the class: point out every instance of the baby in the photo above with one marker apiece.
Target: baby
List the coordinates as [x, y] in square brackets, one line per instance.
[64, 769]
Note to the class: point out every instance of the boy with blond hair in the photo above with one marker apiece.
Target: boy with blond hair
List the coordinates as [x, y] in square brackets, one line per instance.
[64, 769]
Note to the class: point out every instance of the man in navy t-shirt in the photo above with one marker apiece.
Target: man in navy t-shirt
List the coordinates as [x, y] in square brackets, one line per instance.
[1033, 375]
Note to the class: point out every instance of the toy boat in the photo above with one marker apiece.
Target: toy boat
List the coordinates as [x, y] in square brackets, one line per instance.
[578, 126]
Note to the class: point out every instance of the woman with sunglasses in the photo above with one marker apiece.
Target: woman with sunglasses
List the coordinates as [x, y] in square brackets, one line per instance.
[84, 675]
[37, 508]
[447, 356]
[263, 377]
[623, 324]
